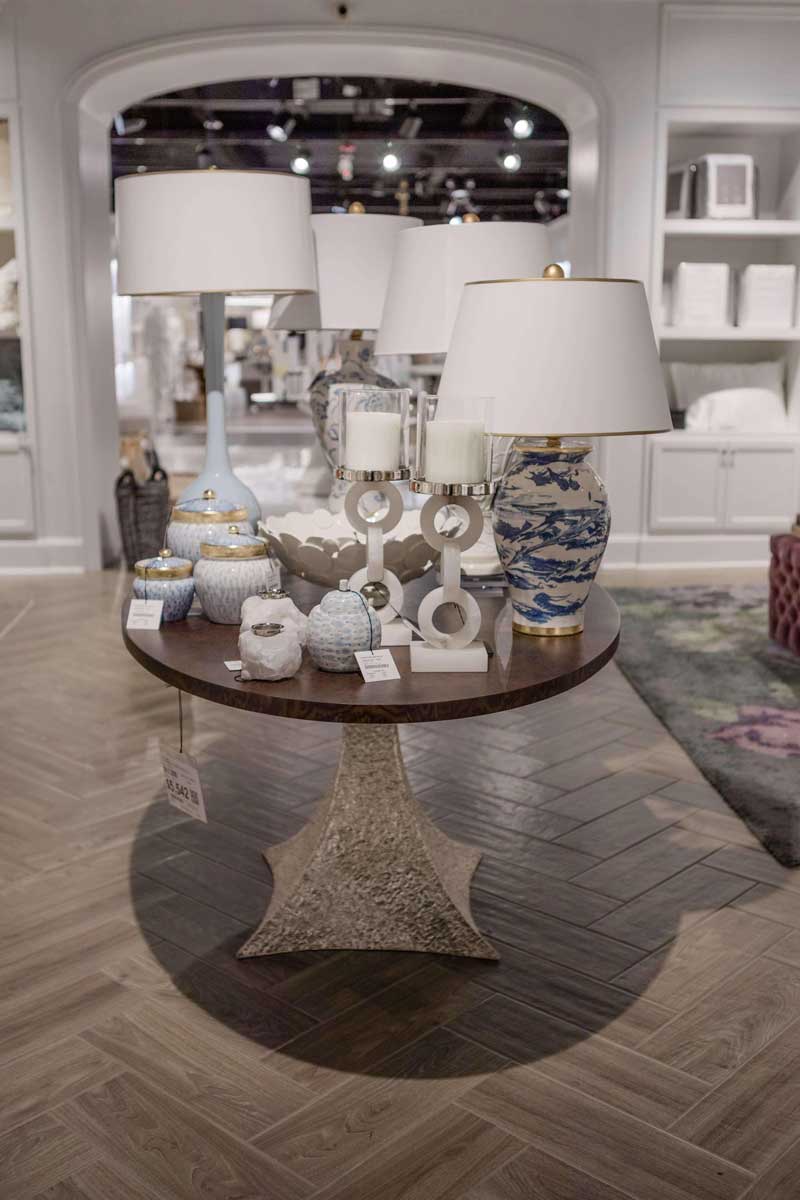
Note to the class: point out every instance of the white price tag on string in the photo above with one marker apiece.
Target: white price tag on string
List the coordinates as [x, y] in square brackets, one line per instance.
[182, 781]
[144, 614]
[376, 665]
[233, 664]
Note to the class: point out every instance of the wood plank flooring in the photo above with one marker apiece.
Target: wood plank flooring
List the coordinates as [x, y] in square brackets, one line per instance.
[639, 1039]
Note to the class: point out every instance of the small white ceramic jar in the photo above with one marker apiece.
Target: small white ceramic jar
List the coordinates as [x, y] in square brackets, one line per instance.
[196, 521]
[269, 650]
[340, 624]
[275, 605]
[230, 569]
[165, 577]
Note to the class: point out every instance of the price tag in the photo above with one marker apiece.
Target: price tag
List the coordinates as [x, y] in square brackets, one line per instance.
[144, 614]
[233, 664]
[182, 781]
[376, 665]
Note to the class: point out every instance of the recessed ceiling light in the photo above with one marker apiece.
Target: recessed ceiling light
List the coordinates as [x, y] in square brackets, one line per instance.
[280, 129]
[391, 160]
[213, 124]
[509, 160]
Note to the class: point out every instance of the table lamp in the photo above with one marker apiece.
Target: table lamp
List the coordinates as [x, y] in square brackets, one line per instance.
[559, 358]
[430, 269]
[214, 232]
[354, 252]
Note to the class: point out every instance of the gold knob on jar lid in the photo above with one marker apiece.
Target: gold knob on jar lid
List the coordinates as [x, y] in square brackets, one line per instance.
[356, 207]
[553, 271]
[471, 218]
[165, 553]
[209, 494]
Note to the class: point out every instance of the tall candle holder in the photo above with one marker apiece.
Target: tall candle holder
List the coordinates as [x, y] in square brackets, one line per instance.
[454, 465]
[373, 455]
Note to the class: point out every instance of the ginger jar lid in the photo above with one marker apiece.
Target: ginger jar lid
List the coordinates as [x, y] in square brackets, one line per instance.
[233, 544]
[344, 599]
[165, 565]
[209, 509]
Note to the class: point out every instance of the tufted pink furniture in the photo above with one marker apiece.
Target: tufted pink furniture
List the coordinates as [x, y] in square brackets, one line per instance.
[784, 590]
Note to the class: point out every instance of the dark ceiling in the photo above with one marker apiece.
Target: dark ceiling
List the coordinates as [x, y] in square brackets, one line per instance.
[448, 140]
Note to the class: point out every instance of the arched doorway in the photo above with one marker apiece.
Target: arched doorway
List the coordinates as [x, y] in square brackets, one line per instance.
[116, 82]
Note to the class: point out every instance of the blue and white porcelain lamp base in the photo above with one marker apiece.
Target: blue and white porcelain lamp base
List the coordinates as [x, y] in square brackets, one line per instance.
[551, 525]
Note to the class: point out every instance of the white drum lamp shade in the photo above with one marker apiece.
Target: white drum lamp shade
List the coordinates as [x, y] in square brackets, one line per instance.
[211, 231]
[354, 253]
[433, 264]
[557, 357]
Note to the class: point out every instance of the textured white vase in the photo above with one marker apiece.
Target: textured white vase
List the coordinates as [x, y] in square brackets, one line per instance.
[275, 657]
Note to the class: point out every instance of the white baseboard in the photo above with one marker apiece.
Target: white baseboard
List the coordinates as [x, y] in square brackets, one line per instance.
[42, 556]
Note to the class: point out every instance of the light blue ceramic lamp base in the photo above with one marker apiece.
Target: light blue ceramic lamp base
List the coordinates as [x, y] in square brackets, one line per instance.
[217, 472]
[551, 526]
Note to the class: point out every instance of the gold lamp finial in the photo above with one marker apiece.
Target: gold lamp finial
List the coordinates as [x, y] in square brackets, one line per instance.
[209, 494]
[553, 271]
[471, 218]
[356, 207]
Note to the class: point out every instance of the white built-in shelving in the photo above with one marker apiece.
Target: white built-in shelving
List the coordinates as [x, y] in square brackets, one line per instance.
[727, 333]
[767, 227]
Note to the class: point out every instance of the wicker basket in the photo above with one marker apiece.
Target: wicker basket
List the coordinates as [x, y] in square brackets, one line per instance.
[143, 511]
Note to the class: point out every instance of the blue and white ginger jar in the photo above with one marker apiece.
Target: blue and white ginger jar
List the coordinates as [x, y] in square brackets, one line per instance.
[165, 577]
[340, 624]
[196, 521]
[232, 567]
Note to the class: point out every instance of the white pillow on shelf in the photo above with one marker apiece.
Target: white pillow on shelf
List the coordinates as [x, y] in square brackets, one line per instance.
[690, 381]
[738, 410]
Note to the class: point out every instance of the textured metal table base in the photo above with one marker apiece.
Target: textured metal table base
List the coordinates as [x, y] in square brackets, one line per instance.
[370, 871]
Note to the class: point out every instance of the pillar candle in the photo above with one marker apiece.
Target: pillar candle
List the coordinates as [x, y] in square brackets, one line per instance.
[455, 452]
[372, 441]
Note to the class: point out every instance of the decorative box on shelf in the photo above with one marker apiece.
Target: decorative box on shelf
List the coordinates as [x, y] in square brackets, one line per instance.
[766, 296]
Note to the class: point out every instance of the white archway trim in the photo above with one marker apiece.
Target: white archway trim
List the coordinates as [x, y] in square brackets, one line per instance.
[119, 80]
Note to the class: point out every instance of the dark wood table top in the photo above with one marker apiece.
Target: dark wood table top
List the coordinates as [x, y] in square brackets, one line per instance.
[191, 655]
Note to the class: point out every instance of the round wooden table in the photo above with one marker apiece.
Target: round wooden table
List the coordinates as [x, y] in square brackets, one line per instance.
[371, 871]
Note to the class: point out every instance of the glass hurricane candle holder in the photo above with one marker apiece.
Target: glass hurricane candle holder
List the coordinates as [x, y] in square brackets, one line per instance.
[454, 468]
[373, 434]
[454, 455]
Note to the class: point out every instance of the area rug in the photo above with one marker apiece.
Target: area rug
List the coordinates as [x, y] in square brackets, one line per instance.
[701, 658]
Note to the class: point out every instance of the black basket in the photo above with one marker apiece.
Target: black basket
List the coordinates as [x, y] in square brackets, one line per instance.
[143, 511]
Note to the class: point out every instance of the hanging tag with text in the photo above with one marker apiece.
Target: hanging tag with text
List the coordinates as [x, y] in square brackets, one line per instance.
[144, 614]
[376, 665]
[182, 782]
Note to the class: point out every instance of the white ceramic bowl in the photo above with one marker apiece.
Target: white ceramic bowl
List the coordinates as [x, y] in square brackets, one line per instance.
[322, 547]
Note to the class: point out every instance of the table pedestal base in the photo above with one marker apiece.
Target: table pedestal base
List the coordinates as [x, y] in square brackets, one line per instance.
[370, 871]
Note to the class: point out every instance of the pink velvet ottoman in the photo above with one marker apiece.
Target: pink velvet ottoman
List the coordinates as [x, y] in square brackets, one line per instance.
[784, 590]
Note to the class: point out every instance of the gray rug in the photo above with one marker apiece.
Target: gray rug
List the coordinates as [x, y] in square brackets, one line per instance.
[701, 659]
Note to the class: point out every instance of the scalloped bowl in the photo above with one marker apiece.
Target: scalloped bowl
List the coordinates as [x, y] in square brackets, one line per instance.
[322, 546]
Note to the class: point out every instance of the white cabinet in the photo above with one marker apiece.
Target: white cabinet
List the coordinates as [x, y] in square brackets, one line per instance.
[16, 486]
[702, 486]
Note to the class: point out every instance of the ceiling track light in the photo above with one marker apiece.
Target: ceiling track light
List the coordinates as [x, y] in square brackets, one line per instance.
[509, 160]
[280, 129]
[300, 162]
[391, 160]
[213, 124]
[521, 124]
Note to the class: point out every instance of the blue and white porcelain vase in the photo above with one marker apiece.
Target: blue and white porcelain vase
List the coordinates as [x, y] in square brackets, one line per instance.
[340, 624]
[165, 577]
[551, 525]
[358, 368]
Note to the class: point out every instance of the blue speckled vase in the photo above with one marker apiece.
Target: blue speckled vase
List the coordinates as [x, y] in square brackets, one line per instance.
[339, 625]
[551, 525]
[169, 578]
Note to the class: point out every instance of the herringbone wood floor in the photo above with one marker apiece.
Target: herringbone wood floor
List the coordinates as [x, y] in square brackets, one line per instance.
[640, 1039]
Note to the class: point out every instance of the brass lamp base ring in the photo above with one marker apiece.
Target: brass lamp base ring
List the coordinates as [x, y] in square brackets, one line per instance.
[547, 630]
